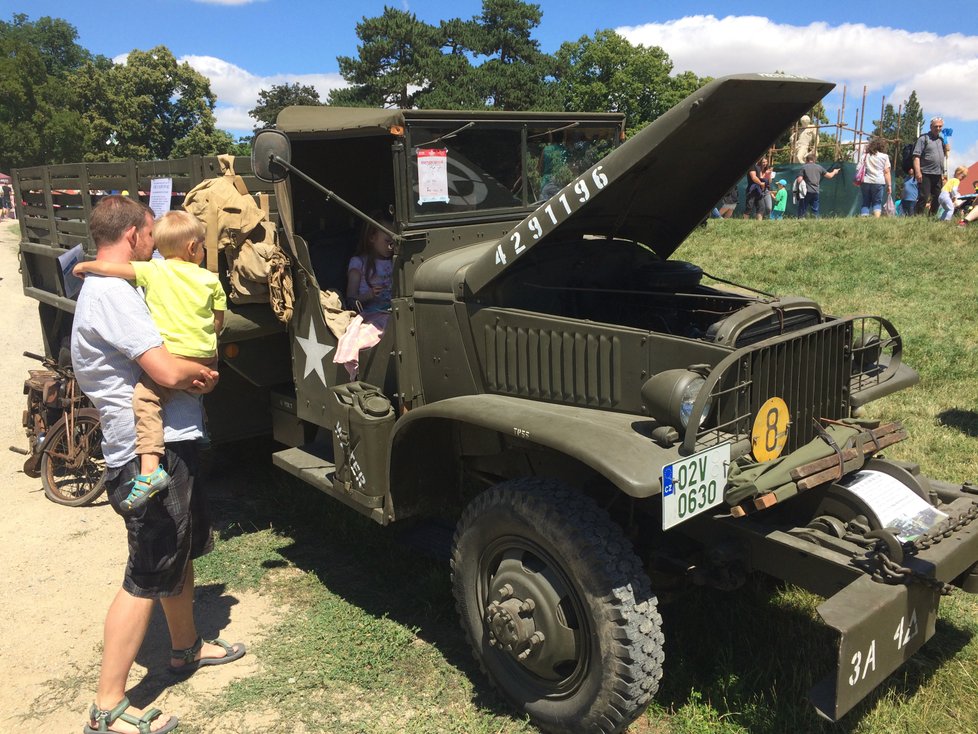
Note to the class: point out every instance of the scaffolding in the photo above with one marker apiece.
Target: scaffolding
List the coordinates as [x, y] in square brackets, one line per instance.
[840, 147]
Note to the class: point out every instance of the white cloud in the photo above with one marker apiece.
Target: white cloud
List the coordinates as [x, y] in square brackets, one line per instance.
[233, 117]
[963, 157]
[851, 53]
[237, 89]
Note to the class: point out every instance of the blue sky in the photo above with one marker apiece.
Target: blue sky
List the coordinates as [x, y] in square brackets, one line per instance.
[891, 48]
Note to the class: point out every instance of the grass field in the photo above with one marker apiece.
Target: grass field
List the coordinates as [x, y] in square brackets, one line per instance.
[369, 640]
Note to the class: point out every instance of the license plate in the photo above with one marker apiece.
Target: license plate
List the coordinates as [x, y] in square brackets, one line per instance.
[694, 484]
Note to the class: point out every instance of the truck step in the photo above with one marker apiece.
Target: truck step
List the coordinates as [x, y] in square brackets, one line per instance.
[309, 463]
[312, 463]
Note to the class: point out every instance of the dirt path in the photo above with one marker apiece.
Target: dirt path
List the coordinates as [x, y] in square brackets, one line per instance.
[61, 566]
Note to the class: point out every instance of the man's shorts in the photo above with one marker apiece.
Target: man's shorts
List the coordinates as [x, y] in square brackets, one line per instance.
[169, 530]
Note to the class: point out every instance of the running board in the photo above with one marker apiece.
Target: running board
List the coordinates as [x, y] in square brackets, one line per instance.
[310, 464]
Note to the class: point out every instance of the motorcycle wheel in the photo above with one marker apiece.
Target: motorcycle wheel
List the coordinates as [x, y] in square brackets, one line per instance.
[80, 481]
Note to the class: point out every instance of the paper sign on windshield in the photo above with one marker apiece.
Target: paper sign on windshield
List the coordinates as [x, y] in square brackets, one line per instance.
[160, 192]
[432, 175]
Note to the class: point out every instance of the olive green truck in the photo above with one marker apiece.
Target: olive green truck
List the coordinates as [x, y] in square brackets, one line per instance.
[590, 413]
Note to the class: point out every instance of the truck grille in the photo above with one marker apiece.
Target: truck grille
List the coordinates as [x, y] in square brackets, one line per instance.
[815, 372]
[567, 367]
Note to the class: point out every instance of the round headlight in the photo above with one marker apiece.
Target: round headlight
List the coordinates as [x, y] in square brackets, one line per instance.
[691, 391]
[670, 396]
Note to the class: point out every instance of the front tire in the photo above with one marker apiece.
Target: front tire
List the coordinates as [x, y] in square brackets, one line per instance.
[72, 468]
[557, 607]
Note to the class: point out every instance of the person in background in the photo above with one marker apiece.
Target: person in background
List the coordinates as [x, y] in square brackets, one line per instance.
[780, 197]
[969, 217]
[6, 197]
[949, 194]
[767, 176]
[728, 204]
[908, 203]
[929, 153]
[756, 185]
[811, 175]
[877, 184]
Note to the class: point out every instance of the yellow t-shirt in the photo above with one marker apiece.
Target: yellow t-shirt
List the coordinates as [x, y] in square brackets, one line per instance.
[182, 298]
[951, 185]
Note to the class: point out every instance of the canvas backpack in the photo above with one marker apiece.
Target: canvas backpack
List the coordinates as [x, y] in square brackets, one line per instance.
[258, 269]
[906, 158]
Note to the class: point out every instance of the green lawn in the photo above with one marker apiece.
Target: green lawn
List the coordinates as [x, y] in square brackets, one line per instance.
[370, 640]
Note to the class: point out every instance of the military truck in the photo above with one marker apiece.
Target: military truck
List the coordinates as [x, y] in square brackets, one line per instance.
[600, 421]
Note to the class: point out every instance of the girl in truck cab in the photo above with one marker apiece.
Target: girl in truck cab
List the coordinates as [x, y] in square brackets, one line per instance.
[371, 269]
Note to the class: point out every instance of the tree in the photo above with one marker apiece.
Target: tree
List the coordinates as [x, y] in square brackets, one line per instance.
[606, 73]
[397, 55]
[512, 76]
[912, 119]
[40, 117]
[452, 82]
[142, 109]
[279, 96]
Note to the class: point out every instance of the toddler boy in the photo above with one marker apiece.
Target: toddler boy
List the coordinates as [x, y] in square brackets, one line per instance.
[187, 304]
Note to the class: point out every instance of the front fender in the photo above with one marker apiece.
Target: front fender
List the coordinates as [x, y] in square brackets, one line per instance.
[616, 445]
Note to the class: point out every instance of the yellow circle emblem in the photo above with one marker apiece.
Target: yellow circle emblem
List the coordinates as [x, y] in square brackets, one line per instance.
[770, 432]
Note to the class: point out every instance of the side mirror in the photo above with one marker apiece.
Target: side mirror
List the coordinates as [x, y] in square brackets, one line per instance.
[270, 149]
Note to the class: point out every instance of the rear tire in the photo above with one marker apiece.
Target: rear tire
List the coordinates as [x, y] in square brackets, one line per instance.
[80, 481]
[557, 607]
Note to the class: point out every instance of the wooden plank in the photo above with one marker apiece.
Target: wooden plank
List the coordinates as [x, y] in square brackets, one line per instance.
[32, 248]
[75, 228]
[836, 472]
[833, 460]
[60, 302]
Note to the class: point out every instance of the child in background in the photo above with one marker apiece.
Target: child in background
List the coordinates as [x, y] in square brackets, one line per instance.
[949, 194]
[780, 196]
[187, 304]
[370, 273]
[908, 201]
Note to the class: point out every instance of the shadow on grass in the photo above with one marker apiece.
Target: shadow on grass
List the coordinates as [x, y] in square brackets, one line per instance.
[399, 572]
[965, 421]
[750, 656]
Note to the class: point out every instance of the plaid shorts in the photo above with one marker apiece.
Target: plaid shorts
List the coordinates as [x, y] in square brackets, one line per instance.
[169, 530]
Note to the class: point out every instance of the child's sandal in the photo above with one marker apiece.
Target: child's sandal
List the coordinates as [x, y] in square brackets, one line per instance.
[102, 719]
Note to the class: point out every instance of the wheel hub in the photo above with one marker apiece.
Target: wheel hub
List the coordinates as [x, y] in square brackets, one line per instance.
[510, 624]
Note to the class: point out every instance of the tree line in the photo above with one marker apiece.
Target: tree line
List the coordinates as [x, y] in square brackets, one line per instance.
[493, 61]
[62, 103]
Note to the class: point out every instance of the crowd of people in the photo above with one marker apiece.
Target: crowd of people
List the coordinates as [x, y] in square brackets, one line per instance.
[927, 190]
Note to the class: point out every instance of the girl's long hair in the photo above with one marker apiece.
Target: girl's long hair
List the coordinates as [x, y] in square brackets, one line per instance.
[364, 251]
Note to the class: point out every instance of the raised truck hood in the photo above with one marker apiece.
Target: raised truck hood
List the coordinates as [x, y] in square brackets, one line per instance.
[657, 186]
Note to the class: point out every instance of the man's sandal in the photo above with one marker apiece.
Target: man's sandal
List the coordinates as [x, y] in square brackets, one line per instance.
[189, 656]
[104, 719]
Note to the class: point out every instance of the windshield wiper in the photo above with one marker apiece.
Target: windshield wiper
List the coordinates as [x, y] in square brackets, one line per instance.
[446, 136]
[553, 130]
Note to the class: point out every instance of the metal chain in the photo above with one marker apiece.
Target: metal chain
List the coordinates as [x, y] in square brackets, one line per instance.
[885, 570]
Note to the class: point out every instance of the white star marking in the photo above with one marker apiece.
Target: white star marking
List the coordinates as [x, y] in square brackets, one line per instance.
[315, 352]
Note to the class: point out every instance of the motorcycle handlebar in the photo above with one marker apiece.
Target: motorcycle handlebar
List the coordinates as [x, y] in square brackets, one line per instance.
[38, 357]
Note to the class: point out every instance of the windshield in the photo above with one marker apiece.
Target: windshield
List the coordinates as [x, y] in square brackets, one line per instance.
[556, 155]
[458, 167]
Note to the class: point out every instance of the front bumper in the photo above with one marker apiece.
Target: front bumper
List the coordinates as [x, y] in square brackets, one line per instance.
[881, 625]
